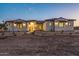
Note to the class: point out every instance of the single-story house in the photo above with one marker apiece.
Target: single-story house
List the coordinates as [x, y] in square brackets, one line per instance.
[23, 25]
[59, 24]
[54, 24]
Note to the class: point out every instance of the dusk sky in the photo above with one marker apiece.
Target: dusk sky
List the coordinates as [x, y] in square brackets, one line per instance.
[38, 11]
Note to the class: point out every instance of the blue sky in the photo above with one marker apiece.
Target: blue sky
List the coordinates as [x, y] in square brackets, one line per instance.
[38, 11]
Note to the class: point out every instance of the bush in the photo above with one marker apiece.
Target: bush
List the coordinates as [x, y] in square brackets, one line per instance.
[3, 26]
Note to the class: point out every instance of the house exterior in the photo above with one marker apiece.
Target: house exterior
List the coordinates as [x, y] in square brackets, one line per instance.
[54, 24]
[48, 25]
[23, 25]
[16, 25]
[59, 24]
[40, 25]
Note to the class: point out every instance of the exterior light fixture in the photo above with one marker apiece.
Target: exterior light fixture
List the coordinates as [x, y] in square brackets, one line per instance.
[66, 23]
[24, 24]
[15, 25]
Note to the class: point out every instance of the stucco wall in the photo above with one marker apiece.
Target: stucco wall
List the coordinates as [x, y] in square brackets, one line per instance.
[48, 26]
[70, 27]
[10, 27]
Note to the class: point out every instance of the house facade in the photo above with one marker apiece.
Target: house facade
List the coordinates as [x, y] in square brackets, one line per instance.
[54, 24]
[34, 25]
[59, 24]
[23, 25]
[16, 25]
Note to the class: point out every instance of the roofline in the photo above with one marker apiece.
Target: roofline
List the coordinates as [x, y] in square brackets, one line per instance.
[52, 19]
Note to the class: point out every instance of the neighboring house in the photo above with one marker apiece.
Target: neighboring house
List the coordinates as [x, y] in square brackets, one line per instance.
[55, 24]
[59, 24]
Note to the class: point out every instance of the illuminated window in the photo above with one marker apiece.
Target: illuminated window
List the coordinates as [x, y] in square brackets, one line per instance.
[56, 23]
[61, 24]
[50, 24]
[32, 23]
[32, 26]
[40, 27]
[20, 26]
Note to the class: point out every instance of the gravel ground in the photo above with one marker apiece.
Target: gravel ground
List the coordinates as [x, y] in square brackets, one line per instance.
[32, 45]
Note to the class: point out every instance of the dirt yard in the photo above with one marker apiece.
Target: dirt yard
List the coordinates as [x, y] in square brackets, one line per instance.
[34, 45]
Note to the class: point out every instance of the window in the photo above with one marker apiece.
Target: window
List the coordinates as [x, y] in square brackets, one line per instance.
[50, 24]
[61, 24]
[40, 27]
[20, 26]
[56, 23]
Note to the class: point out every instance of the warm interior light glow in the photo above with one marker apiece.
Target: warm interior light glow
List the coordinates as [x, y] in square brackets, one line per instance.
[24, 24]
[66, 23]
[32, 23]
[50, 24]
[61, 24]
[32, 26]
[76, 23]
[20, 26]
[56, 23]
[15, 25]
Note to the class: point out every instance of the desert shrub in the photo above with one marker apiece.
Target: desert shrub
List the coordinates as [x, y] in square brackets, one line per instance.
[3, 26]
[14, 34]
[62, 31]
